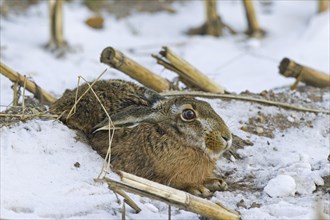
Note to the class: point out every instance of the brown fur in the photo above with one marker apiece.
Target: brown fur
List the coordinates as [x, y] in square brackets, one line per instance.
[114, 95]
[164, 147]
[150, 152]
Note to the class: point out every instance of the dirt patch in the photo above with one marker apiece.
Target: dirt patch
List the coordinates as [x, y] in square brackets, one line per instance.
[326, 186]
[241, 204]
[306, 96]
[245, 185]
[265, 125]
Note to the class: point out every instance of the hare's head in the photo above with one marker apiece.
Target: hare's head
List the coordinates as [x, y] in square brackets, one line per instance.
[198, 123]
[194, 121]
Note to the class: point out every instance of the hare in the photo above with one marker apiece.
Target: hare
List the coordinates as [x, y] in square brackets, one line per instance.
[174, 141]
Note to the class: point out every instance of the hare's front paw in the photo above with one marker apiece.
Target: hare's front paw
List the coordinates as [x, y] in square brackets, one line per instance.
[216, 184]
[199, 190]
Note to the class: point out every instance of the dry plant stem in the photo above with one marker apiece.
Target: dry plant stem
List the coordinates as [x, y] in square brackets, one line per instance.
[213, 22]
[98, 99]
[15, 99]
[253, 25]
[106, 167]
[119, 61]
[106, 164]
[121, 192]
[127, 199]
[177, 197]
[165, 64]
[171, 196]
[170, 66]
[290, 68]
[295, 84]
[189, 73]
[56, 23]
[243, 98]
[45, 115]
[123, 212]
[23, 99]
[72, 110]
[76, 97]
[32, 87]
[213, 25]
[323, 5]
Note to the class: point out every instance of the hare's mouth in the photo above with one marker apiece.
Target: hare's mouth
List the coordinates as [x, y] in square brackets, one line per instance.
[229, 143]
[216, 144]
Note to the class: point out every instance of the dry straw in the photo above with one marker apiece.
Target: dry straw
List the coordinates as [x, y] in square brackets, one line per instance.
[106, 167]
[244, 98]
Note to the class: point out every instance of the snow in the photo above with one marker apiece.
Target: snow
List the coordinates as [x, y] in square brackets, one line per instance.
[43, 149]
[39, 178]
[281, 186]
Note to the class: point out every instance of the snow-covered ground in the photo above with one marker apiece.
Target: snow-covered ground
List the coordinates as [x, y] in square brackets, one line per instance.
[38, 176]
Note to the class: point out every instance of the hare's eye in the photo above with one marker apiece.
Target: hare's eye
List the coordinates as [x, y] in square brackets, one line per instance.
[188, 115]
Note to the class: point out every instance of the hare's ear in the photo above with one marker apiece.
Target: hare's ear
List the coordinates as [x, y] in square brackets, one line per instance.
[127, 118]
[132, 115]
[152, 96]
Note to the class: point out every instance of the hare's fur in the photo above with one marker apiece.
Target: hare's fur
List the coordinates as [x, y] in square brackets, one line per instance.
[153, 153]
[115, 95]
[159, 144]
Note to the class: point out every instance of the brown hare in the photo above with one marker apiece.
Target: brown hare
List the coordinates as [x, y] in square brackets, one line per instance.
[174, 141]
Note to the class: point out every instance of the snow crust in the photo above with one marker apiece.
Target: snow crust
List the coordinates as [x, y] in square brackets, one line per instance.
[280, 186]
[39, 178]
